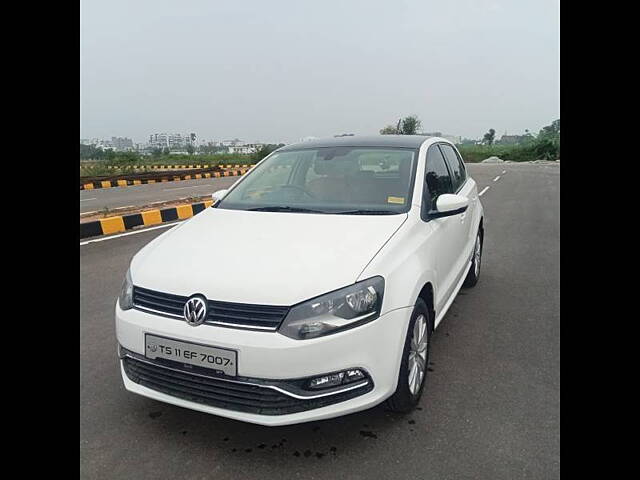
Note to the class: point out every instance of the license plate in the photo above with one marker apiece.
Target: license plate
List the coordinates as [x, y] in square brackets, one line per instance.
[215, 358]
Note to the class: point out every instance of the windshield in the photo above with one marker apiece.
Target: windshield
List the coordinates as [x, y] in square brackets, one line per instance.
[348, 180]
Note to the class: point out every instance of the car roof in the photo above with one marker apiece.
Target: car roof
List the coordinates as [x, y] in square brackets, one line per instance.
[397, 141]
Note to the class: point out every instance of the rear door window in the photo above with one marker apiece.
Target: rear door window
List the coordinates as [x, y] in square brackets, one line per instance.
[437, 177]
[458, 174]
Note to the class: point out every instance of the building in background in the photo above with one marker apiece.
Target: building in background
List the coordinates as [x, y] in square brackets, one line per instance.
[245, 149]
[232, 143]
[172, 141]
[512, 139]
[238, 146]
[176, 143]
[121, 143]
[118, 144]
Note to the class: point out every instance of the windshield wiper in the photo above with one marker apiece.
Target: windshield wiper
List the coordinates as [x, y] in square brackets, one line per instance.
[365, 212]
[284, 208]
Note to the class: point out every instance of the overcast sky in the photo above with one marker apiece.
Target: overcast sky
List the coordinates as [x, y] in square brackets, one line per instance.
[280, 70]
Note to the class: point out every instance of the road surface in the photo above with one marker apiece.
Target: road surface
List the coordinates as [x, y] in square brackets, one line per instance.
[491, 409]
[138, 195]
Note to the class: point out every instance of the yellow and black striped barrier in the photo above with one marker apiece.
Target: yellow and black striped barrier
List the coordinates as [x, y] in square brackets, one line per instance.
[122, 223]
[168, 178]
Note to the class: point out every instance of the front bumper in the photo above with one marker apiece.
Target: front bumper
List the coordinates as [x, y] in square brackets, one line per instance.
[375, 347]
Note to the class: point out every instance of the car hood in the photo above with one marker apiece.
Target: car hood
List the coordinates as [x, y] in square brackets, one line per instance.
[269, 258]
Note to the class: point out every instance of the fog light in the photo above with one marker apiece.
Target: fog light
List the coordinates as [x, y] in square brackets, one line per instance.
[327, 381]
[353, 375]
[335, 379]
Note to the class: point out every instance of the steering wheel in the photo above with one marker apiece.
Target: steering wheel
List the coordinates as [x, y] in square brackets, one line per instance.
[299, 188]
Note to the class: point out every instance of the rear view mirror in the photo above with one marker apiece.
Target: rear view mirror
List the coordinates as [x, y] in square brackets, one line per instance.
[449, 204]
[219, 195]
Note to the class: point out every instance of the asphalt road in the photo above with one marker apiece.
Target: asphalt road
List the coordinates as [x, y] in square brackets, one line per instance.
[491, 409]
[101, 198]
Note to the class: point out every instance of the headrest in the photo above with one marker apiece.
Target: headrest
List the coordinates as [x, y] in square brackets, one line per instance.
[404, 167]
[321, 167]
[335, 167]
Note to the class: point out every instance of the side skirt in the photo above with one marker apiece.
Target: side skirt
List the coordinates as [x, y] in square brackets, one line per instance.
[452, 297]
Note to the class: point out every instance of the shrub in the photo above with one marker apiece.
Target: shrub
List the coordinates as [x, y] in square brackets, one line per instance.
[543, 149]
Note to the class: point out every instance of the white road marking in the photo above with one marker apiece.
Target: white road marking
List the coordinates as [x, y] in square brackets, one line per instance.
[192, 186]
[102, 239]
[503, 172]
[483, 190]
[87, 199]
[497, 178]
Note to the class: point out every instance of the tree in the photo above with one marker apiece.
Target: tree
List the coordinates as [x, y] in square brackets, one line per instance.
[548, 145]
[389, 130]
[90, 152]
[190, 149]
[109, 154]
[406, 126]
[410, 125]
[211, 148]
[264, 150]
[489, 136]
[166, 151]
[550, 131]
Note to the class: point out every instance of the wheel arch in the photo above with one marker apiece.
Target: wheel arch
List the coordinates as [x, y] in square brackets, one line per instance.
[427, 295]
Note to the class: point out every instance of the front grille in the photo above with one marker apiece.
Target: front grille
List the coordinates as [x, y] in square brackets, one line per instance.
[160, 302]
[239, 396]
[235, 315]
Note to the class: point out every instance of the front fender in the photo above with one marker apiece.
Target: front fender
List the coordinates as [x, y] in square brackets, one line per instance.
[404, 271]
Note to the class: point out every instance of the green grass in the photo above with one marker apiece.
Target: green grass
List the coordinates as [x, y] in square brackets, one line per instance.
[213, 159]
[534, 150]
[101, 169]
[124, 163]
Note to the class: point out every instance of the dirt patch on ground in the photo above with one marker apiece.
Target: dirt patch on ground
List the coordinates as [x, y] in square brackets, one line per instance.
[113, 212]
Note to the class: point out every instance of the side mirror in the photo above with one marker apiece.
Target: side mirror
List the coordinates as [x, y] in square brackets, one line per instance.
[219, 195]
[449, 204]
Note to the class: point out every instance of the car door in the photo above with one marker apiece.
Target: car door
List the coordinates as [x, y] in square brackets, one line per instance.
[446, 233]
[465, 186]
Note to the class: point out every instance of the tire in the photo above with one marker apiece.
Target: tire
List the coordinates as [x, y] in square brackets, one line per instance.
[474, 271]
[406, 397]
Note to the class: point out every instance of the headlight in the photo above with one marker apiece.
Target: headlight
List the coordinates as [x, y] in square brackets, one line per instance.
[126, 294]
[335, 311]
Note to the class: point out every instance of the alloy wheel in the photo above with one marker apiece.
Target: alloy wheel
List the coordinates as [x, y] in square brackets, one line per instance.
[417, 363]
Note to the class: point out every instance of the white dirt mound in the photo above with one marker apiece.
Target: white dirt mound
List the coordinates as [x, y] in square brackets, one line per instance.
[493, 160]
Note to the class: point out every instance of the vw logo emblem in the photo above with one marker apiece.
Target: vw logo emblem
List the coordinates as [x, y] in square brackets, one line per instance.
[195, 311]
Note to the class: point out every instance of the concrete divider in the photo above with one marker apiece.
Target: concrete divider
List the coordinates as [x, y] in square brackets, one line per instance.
[168, 178]
[122, 223]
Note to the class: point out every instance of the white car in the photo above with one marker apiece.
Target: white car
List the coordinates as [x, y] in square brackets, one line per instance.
[311, 288]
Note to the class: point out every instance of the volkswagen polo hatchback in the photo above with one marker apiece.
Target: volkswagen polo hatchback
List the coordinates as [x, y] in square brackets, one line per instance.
[311, 288]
